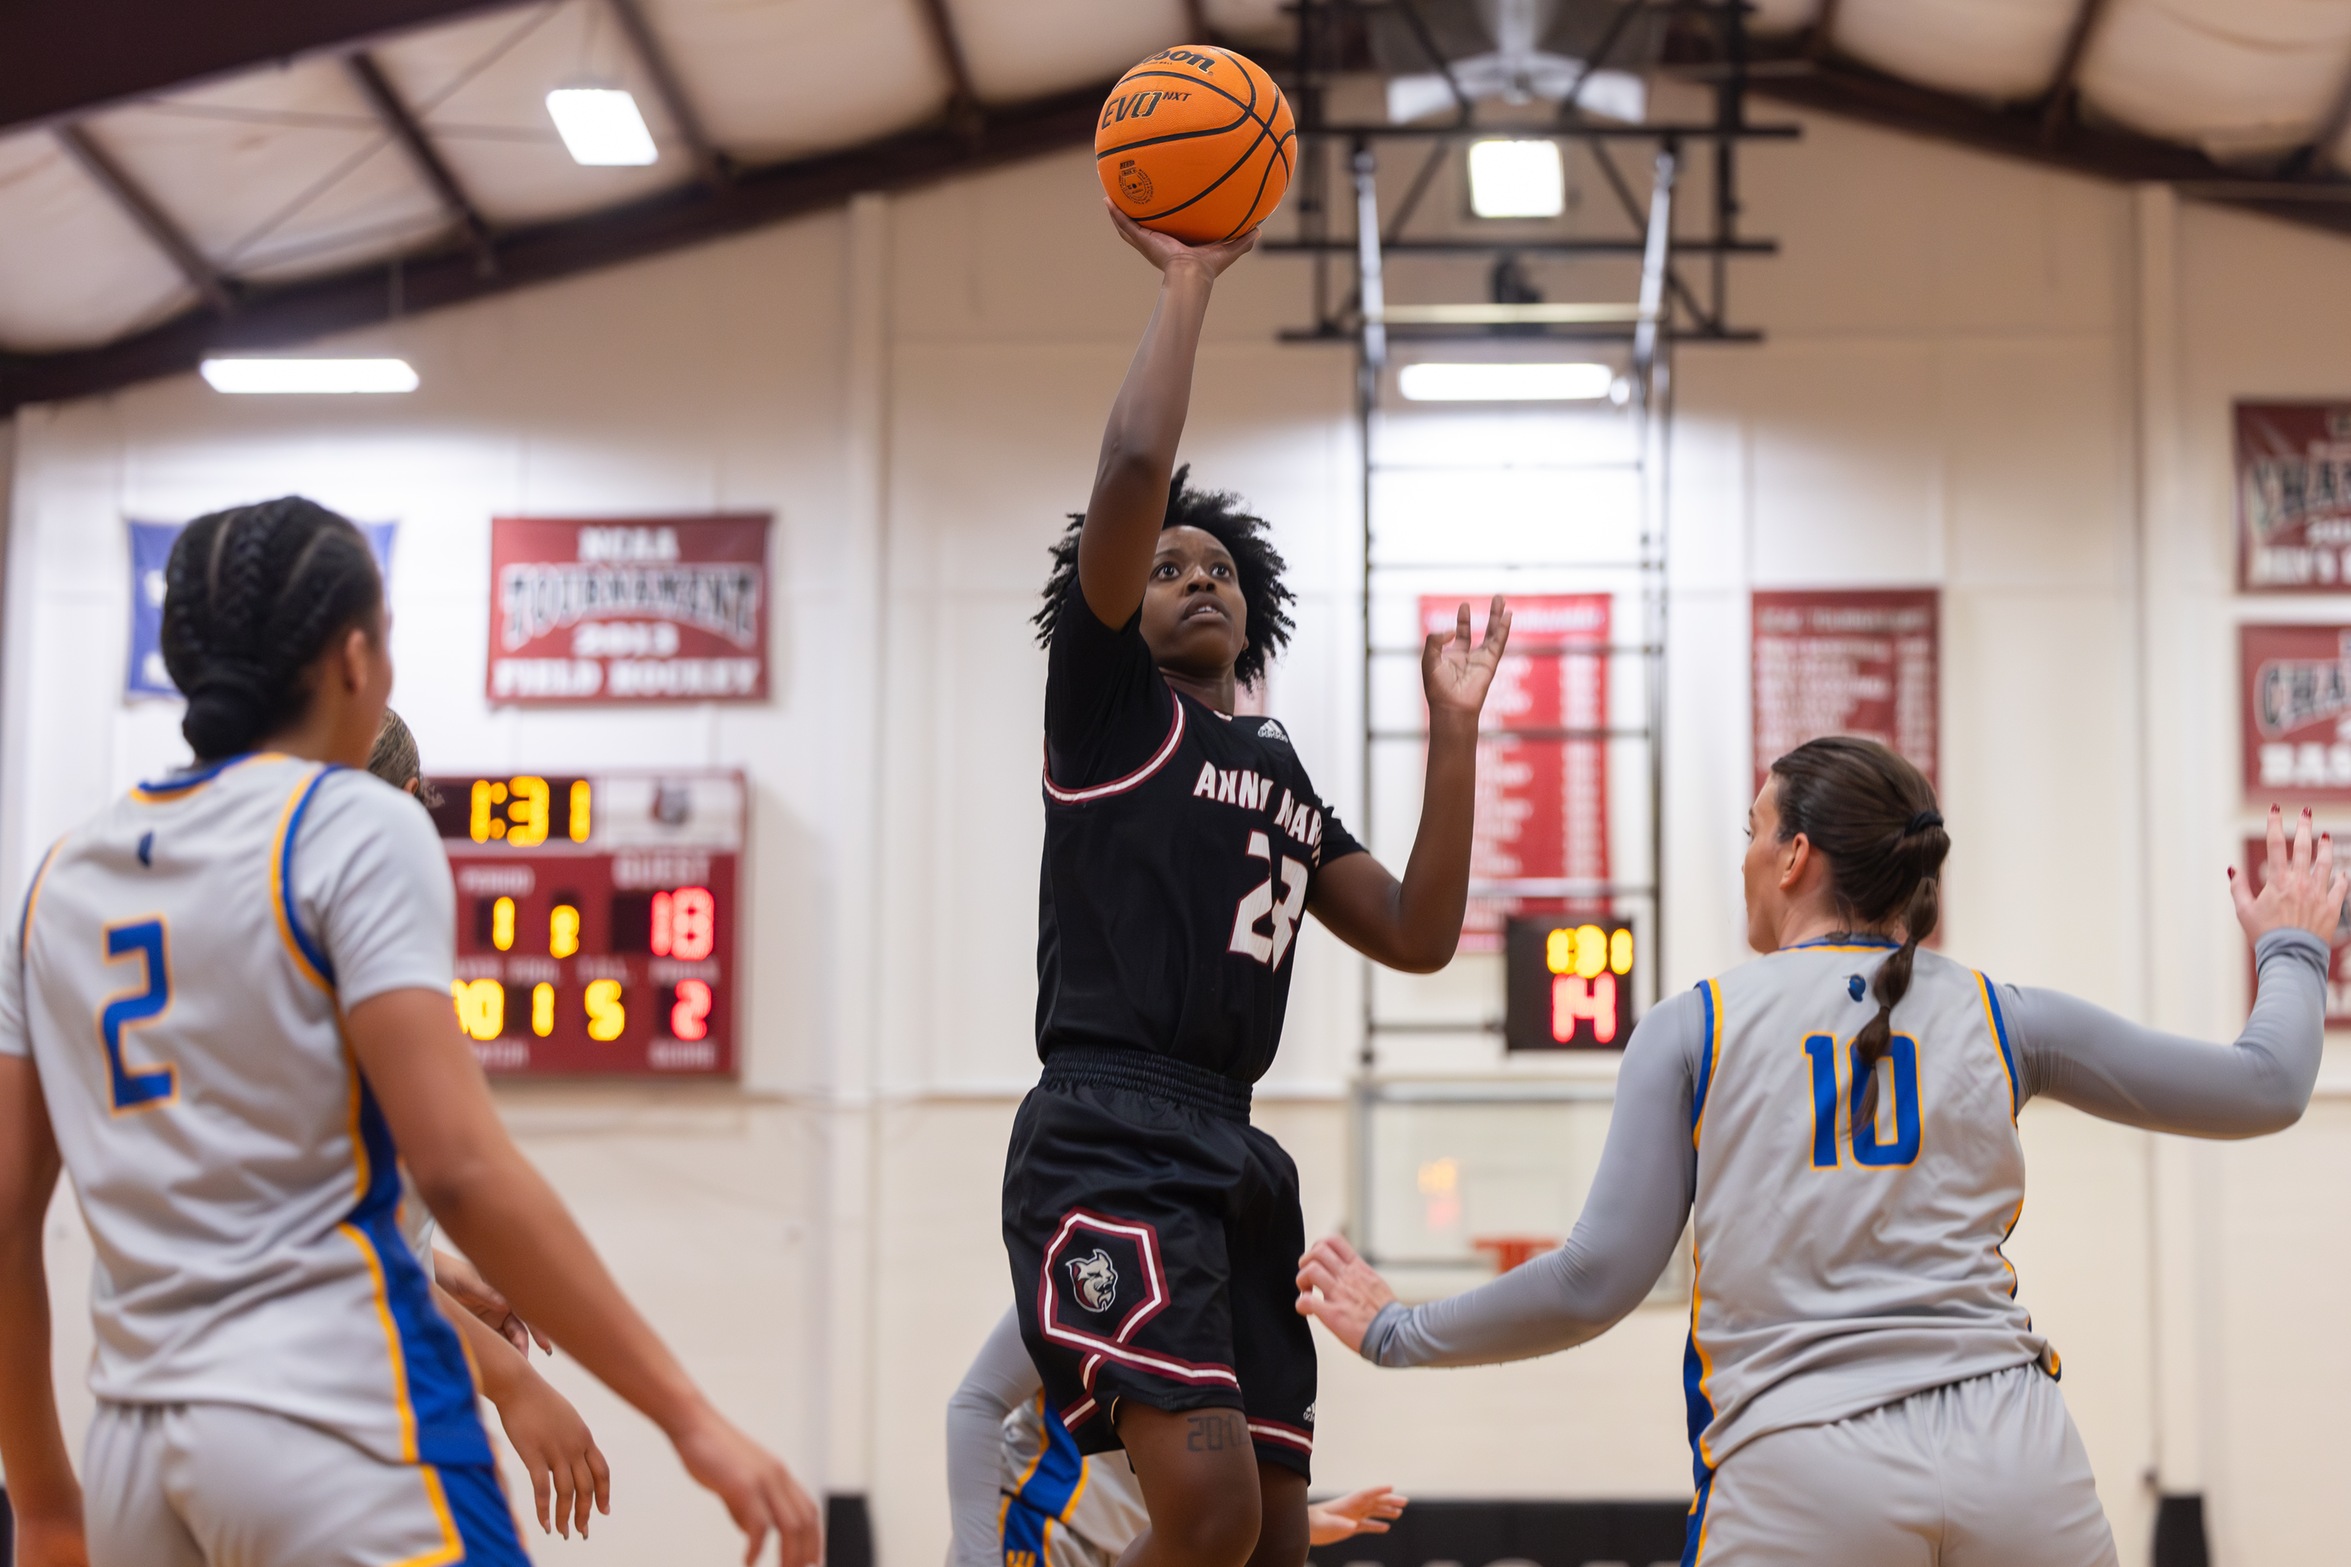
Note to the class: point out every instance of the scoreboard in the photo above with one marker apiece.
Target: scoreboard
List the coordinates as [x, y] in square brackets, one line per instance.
[1567, 983]
[596, 919]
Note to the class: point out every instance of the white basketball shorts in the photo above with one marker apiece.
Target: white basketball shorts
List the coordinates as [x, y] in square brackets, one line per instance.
[1983, 1473]
[220, 1485]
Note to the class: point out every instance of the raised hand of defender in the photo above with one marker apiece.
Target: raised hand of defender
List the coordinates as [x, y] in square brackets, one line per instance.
[1339, 1289]
[759, 1492]
[1367, 1511]
[2300, 889]
[1455, 672]
[1163, 249]
[559, 1453]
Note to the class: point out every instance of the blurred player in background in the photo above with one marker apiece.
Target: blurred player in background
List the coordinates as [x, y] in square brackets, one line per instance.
[1838, 1121]
[568, 1473]
[226, 1007]
[1020, 1495]
[1153, 1232]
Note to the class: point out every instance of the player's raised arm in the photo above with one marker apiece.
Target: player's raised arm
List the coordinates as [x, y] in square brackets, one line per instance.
[502, 1212]
[41, 1484]
[1147, 421]
[1415, 924]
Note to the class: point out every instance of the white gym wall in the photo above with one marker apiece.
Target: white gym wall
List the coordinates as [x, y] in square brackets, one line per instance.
[2007, 382]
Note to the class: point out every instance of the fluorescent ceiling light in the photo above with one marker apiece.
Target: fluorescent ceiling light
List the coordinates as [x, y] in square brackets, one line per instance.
[309, 375]
[1516, 179]
[601, 127]
[1504, 383]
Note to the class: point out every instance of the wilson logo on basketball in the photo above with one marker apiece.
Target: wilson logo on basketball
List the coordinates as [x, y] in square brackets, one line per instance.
[1205, 64]
[1133, 183]
[1095, 1279]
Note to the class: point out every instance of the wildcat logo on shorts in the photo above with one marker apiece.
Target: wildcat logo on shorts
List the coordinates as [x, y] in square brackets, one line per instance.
[1095, 1279]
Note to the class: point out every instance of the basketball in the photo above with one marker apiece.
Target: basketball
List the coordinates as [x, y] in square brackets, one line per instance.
[1196, 142]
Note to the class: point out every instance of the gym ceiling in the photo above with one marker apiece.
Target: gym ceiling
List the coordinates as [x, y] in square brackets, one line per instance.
[177, 179]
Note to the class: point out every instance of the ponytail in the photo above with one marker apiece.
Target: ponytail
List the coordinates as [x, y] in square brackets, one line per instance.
[1872, 815]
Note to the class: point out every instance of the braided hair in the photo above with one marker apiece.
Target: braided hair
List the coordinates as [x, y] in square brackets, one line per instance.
[251, 596]
[1873, 815]
[1218, 514]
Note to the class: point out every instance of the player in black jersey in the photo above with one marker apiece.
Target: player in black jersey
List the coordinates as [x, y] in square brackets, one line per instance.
[1154, 1234]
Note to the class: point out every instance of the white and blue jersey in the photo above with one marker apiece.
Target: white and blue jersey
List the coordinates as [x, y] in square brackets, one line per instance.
[1061, 1508]
[179, 978]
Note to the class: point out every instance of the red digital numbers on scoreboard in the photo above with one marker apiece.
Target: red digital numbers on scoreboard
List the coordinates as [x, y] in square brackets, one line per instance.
[1569, 984]
[596, 920]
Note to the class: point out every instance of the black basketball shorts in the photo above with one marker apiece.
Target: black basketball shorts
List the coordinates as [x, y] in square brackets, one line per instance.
[1154, 1236]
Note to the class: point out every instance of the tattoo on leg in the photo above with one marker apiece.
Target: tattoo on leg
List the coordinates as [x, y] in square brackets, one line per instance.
[1216, 1431]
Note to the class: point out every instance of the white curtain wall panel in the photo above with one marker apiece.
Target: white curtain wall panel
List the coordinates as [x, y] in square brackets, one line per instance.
[2243, 79]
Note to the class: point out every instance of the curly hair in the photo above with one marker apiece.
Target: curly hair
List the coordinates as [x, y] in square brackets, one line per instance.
[1218, 514]
[250, 596]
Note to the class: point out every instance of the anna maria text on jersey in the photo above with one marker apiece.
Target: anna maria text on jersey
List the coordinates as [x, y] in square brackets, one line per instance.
[1169, 907]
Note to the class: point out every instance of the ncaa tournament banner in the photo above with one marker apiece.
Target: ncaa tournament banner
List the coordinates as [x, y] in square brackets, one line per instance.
[1837, 661]
[143, 673]
[628, 610]
[2293, 497]
[2295, 694]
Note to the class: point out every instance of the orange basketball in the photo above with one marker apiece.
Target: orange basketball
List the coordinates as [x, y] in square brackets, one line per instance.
[1196, 142]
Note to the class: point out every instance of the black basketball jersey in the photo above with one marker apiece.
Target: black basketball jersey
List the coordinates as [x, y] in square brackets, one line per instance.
[1180, 847]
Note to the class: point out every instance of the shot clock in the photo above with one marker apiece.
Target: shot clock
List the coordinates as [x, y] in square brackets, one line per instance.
[596, 920]
[1568, 983]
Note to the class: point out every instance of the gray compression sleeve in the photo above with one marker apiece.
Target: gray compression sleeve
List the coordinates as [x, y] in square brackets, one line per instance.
[2087, 1057]
[1000, 1380]
[1640, 1197]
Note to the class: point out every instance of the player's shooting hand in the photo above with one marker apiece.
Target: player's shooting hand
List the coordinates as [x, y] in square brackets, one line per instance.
[759, 1492]
[1359, 1512]
[1165, 250]
[1341, 1290]
[50, 1541]
[558, 1450]
[2300, 887]
[469, 1289]
[1455, 672]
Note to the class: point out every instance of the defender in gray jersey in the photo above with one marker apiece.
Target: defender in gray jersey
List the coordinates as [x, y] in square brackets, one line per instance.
[1863, 1385]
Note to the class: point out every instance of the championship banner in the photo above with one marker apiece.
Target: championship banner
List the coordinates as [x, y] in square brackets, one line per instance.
[628, 609]
[2256, 865]
[1835, 661]
[151, 542]
[2293, 497]
[2295, 722]
[1542, 793]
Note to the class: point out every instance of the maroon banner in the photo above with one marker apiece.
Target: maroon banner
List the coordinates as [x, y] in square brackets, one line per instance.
[2294, 685]
[2293, 497]
[627, 609]
[2256, 865]
[1542, 804]
[1836, 661]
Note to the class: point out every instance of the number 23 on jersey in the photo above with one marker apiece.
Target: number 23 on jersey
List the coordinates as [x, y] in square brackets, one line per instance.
[1260, 903]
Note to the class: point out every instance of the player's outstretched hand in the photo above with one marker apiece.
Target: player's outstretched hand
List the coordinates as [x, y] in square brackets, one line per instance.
[566, 1468]
[469, 1289]
[50, 1542]
[1340, 1290]
[2300, 888]
[1455, 672]
[759, 1492]
[1162, 249]
[1367, 1511]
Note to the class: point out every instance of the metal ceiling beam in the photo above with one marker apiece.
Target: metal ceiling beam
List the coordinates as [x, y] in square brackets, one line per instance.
[367, 296]
[60, 61]
[2058, 102]
[206, 279]
[1855, 92]
[963, 99]
[711, 166]
[424, 156]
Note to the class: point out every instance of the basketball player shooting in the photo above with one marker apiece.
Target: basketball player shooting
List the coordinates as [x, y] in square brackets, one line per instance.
[1837, 1121]
[1153, 1233]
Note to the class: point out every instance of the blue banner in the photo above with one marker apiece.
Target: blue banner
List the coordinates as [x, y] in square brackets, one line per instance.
[151, 544]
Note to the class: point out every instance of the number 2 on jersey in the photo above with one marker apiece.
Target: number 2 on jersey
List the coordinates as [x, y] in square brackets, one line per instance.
[1901, 1059]
[1258, 903]
[138, 1088]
